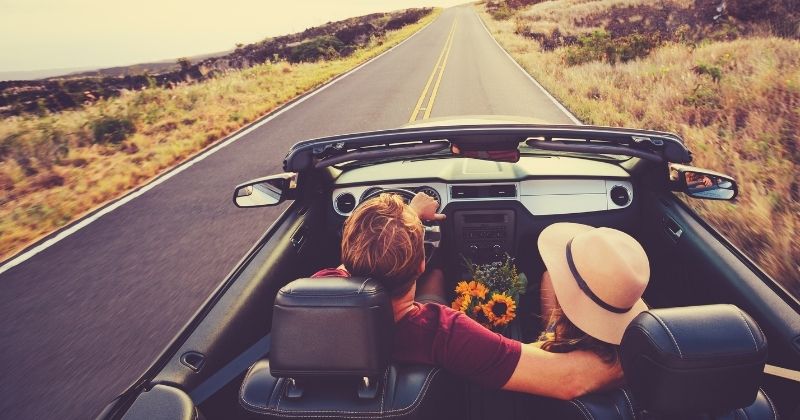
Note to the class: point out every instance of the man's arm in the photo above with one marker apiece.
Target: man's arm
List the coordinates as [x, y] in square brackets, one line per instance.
[562, 375]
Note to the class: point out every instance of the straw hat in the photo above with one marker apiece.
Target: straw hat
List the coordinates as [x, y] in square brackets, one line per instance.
[598, 274]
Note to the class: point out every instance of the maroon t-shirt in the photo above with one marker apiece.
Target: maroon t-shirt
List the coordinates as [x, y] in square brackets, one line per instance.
[434, 334]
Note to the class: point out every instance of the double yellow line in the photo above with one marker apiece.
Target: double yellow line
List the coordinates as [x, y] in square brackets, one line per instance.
[438, 68]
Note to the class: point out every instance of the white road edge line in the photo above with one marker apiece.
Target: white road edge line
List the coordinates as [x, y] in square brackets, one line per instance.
[522, 69]
[782, 372]
[20, 258]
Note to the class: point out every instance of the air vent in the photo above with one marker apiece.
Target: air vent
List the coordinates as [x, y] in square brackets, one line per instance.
[345, 203]
[483, 191]
[620, 195]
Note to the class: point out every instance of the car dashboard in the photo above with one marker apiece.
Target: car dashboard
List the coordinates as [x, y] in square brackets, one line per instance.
[491, 205]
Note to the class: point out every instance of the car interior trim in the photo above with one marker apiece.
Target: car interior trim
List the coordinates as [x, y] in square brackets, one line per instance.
[230, 371]
[541, 197]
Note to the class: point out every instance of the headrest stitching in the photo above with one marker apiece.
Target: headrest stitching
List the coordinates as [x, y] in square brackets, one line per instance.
[769, 401]
[674, 341]
[746, 417]
[746, 324]
[630, 404]
[363, 285]
[583, 413]
[591, 417]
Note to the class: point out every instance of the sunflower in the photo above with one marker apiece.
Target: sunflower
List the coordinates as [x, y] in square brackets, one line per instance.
[461, 303]
[472, 288]
[462, 287]
[480, 316]
[500, 309]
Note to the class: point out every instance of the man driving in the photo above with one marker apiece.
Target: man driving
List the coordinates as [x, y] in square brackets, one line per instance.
[383, 239]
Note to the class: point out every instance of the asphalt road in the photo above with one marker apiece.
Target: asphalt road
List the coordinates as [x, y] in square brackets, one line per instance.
[84, 318]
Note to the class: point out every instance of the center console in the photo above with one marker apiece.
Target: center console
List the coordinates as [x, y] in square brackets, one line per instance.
[484, 235]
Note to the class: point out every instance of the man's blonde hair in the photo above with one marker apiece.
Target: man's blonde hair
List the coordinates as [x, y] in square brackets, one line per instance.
[383, 239]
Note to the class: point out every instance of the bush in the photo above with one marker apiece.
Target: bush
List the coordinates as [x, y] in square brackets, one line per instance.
[107, 129]
[709, 70]
[601, 46]
[500, 11]
[591, 47]
[321, 47]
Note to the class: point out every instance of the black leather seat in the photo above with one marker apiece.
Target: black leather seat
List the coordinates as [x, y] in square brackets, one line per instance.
[330, 354]
[702, 362]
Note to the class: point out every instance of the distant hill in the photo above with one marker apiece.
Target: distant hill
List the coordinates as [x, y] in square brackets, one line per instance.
[155, 67]
[40, 74]
[328, 41]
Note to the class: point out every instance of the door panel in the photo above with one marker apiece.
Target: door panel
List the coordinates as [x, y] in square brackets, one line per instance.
[694, 265]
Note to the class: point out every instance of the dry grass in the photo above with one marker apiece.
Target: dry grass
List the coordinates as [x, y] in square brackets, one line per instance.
[745, 124]
[59, 173]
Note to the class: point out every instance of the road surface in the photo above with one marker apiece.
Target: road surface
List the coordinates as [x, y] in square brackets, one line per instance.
[83, 318]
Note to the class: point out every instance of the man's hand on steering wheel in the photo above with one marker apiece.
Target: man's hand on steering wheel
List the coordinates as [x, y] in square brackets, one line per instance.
[425, 207]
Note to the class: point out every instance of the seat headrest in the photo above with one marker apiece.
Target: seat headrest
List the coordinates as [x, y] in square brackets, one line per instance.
[700, 359]
[331, 326]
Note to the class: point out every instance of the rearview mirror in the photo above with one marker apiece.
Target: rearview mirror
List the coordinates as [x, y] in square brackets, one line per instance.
[510, 155]
[702, 183]
[262, 192]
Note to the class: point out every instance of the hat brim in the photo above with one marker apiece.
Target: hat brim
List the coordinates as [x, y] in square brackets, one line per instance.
[587, 315]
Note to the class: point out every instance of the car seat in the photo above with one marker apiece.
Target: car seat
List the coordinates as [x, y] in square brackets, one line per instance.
[701, 362]
[331, 344]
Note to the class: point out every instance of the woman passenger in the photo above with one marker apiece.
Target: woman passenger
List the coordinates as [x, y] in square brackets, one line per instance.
[592, 288]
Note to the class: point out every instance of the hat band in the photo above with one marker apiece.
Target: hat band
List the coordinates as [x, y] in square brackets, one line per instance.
[585, 287]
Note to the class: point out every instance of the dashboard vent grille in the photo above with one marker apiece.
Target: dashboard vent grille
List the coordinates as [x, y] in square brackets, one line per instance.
[459, 192]
[345, 203]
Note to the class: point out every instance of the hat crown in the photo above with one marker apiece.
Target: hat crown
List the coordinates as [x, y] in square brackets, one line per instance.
[613, 264]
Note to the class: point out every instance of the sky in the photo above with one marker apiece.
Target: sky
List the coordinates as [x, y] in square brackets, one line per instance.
[56, 34]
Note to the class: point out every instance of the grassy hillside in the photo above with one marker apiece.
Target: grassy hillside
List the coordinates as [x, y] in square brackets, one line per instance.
[730, 86]
[57, 166]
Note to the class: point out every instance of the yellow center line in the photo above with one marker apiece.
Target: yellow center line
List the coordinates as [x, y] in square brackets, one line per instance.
[418, 107]
[429, 107]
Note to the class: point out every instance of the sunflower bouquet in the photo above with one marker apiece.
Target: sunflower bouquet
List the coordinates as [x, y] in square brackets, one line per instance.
[491, 296]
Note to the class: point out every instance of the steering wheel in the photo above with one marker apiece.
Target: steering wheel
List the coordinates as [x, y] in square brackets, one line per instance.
[433, 232]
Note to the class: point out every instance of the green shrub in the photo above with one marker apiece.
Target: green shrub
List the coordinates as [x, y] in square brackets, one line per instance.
[709, 70]
[321, 47]
[599, 45]
[591, 47]
[108, 129]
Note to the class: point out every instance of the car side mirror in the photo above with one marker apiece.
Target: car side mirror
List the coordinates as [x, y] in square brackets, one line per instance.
[267, 191]
[702, 183]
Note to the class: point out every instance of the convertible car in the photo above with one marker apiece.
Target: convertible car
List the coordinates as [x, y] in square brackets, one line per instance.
[721, 338]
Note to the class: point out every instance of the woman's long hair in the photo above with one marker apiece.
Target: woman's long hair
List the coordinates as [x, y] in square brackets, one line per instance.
[562, 336]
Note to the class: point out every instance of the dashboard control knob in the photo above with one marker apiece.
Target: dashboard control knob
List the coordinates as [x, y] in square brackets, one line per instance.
[498, 250]
[473, 249]
[620, 195]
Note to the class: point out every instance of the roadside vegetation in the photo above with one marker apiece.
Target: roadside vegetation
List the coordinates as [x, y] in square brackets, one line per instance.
[56, 166]
[723, 75]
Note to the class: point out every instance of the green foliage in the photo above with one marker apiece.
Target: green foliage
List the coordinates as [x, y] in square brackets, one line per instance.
[599, 45]
[322, 47]
[591, 47]
[108, 129]
[703, 96]
[499, 276]
[715, 72]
